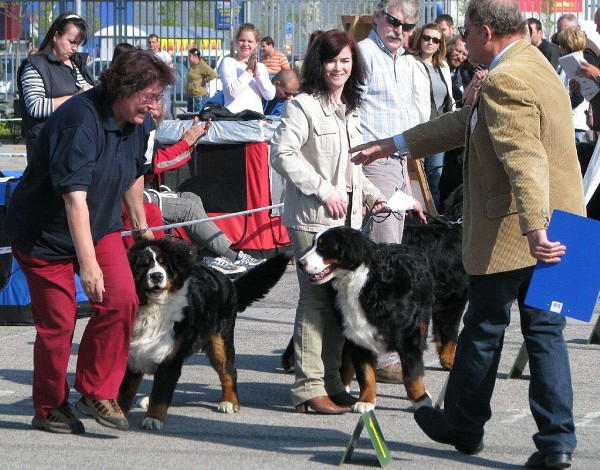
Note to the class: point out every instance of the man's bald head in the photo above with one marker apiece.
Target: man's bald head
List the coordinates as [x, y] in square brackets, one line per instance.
[286, 84]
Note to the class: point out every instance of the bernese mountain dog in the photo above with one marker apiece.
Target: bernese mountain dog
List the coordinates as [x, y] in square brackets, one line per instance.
[186, 307]
[441, 242]
[384, 296]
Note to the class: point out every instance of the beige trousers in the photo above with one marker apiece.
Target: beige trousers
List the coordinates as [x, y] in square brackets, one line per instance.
[318, 339]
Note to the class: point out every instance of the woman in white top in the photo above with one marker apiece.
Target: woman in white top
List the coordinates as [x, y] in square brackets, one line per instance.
[246, 80]
[429, 47]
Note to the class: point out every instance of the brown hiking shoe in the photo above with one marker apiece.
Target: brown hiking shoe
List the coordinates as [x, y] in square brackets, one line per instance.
[61, 420]
[106, 412]
[391, 374]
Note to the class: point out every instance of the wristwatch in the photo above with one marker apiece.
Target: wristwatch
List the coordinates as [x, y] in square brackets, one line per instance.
[597, 79]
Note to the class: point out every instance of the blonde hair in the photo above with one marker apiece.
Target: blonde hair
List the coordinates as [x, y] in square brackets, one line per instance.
[572, 40]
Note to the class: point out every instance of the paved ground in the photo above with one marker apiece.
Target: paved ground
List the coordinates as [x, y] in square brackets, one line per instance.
[12, 155]
[266, 433]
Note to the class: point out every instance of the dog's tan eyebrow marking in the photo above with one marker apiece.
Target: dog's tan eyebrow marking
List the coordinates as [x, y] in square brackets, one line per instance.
[331, 261]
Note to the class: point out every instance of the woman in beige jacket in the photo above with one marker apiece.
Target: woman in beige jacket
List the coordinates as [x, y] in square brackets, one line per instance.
[323, 190]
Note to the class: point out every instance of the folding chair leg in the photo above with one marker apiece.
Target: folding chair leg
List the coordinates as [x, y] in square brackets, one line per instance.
[595, 336]
[520, 362]
[440, 400]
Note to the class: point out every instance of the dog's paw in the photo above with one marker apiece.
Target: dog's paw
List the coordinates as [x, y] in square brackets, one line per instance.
[363, 407]
[228, 407]
[424, 401]
[152, 424]
[143, 402]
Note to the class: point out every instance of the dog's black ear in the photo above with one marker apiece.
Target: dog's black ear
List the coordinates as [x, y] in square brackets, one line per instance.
[354, 248]
[180, 257]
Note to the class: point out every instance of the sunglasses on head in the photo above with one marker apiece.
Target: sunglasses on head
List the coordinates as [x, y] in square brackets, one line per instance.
[395, 22]
[427, 38]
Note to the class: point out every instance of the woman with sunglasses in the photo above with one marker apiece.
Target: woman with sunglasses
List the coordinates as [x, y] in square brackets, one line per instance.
[429, 46]
[54, 74]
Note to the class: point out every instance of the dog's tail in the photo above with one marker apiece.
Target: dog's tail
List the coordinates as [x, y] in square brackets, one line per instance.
[255, 283]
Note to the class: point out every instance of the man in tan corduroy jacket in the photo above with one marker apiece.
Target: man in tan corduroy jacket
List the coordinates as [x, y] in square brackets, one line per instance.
[520, 164]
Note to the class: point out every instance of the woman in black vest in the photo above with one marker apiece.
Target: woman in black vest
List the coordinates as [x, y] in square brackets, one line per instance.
[52, 75]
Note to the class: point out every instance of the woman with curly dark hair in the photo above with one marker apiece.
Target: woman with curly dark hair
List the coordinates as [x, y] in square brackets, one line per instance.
[65, 218]
[323, 190]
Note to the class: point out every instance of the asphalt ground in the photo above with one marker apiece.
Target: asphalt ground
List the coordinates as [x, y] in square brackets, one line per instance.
[266, 433]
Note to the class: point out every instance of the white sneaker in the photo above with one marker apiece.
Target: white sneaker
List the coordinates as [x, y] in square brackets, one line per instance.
[247, 261]
[224, 265]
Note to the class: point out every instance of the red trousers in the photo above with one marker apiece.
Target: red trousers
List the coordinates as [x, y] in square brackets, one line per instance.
[104, 347]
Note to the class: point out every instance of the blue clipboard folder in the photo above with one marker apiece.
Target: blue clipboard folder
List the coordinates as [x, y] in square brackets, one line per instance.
[570, 287]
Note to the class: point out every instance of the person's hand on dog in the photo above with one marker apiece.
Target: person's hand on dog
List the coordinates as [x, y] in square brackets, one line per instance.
[92, 280]
[368, 153]
[336, 205]
[196, 132]
[542, 249]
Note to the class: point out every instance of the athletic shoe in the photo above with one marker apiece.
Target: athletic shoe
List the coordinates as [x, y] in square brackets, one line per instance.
[106, 412]
[224, 265]
[391, 374]
[247, 261]
[61, 420]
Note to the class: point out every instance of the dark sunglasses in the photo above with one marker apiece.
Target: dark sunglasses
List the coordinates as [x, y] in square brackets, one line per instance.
[464, 32]
[427, 38]
[395, 22]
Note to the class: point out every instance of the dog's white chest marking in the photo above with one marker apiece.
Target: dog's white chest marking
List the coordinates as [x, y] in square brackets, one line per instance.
[152, 338]
[355, 326]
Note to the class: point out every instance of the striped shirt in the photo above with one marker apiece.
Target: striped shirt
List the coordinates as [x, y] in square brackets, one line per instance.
[276, 60]
[396, 96]
[34, 92]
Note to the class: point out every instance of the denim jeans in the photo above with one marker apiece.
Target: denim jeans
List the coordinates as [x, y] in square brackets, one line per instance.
[433, 166]
[195, 104]
[471, 383]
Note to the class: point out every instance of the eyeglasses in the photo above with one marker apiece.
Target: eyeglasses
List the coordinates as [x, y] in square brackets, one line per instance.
[395, 22]
[427, 38]
[150, 98]
[464, 32]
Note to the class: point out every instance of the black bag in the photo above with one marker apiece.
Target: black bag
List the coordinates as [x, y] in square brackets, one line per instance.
[216, 112]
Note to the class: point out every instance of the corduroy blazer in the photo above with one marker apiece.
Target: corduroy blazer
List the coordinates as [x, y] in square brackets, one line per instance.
[520, 159]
